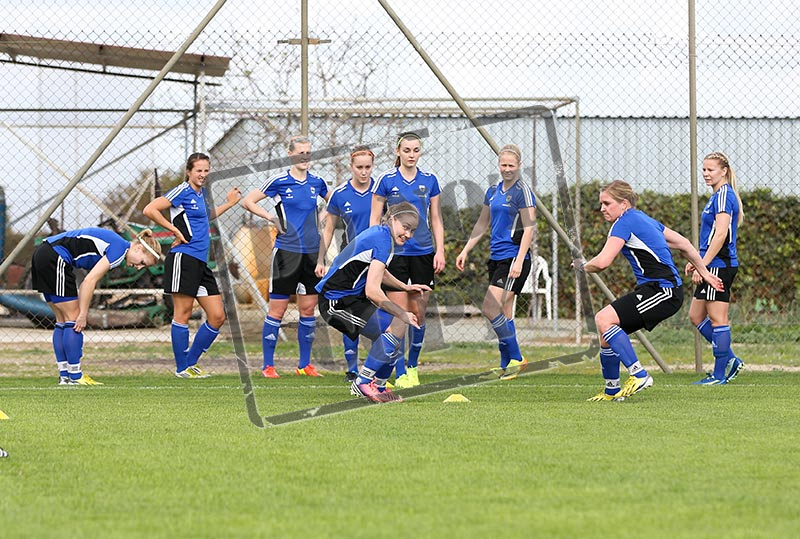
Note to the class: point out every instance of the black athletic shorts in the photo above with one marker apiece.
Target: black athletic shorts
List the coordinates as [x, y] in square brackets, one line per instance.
[412, 270]
[348, 314]
[293, 273]
[706, 292]
[646, 306]
[50, 274]
[498, 274]
[185, 274]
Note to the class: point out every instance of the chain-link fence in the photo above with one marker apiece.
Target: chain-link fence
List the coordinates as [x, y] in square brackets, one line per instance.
[614, 73]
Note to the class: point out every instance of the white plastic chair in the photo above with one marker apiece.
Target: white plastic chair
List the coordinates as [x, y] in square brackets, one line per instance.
[540, 283]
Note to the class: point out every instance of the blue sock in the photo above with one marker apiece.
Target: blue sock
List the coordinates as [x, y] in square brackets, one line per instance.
[58, 348]
[351, 353]
[382, 375]
[415, 345]
[306, 332]
[506, 336]
[620, 343]
[202, 341]
[609, 363]
[73, 350]
[180, 345]
[705, 329]
[505, 358]
[269, 339]
[400, 366]
[369, 369]
[721, 344]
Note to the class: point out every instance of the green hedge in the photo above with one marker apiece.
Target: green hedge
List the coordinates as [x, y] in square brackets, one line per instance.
[769, 243]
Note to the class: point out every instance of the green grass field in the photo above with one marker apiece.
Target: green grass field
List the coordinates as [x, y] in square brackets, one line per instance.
[154, 456]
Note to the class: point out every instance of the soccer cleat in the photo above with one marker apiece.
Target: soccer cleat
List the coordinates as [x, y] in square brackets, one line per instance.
[369, 391]
[605, 397]
[350, 377]
[709, 380]
[64, 381]
[515, 366]
[86, 380]
[387, 396]
[270, 372]
[413, 376]
[308, 370]
[198, 372]
[733, 369]
[185, 373]
[635, 385]
[403, 382]
[3, 415]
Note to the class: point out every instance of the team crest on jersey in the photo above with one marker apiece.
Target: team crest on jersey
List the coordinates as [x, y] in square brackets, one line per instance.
[348, 208]
[313, 190]
[289, 192]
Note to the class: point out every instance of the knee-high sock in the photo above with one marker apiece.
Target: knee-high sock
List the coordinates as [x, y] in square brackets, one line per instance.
[620, 343]
[202, 341]
[400, 366]
[73, 349]
[383, 353]
[506, 337]
[707, 330]
[415, 345]
[351, 353]
[721, 344]
[609, 363]
[58, 348]
[180, 345]
[269, 339]
[306, 332]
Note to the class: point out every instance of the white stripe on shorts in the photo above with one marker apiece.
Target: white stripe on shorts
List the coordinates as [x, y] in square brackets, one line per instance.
[61, 285]
[649, 303]
[711, 293]
[345, 315]
[176, 274]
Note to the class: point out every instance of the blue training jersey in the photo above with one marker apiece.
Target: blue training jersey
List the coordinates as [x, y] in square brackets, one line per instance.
[84, 247]
[723, 201]
[351, 207]
[504, 207]
[296, 205]
[419, 191]
[188, 214]
[646, 248]
[347, 275]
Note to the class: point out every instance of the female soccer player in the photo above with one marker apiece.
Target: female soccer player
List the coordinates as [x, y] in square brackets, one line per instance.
[294, 259]
[350, 202]
[646, 244]
[423, 255]
[354, 303]
[96, 250]
[186, 273]
[719, 224]
[508, 208]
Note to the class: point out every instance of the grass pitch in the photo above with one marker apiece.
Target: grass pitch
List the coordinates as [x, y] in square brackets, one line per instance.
[154, 456]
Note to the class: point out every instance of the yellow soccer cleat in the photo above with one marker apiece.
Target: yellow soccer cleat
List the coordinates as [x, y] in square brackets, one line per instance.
[515, 366]
[402, 382]
[605, 397]
[3, 415]
[86, 380]
[198, 372]
[413, 376]
[635, 385]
